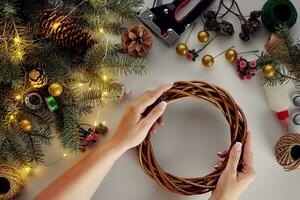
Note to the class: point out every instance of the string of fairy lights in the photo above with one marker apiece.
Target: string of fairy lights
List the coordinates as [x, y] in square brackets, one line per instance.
[18, 49]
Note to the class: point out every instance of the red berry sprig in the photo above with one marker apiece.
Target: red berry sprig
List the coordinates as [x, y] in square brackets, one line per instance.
[245, 69]
[92, 135]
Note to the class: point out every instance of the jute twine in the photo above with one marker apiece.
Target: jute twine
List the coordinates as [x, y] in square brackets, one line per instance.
[276, 46]
[287, 151]
[11, 182]
[238, 128]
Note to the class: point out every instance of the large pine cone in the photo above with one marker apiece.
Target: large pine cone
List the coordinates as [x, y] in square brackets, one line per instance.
[137, 40]
[64, 31]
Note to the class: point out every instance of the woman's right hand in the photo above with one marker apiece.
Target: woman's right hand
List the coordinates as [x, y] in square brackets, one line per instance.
[233, 182]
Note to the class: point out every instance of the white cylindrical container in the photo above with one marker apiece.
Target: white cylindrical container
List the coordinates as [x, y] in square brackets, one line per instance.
[279, 102]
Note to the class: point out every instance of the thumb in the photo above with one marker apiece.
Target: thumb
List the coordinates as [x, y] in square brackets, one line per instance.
[234, 157]
[154, 115]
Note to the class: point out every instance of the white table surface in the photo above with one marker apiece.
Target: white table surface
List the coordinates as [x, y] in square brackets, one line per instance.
[194, 131]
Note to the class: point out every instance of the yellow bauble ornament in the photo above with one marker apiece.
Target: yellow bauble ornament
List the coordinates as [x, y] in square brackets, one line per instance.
[269, 70]
[203, 36]
[208, 60]
[181, 49]
[55, 89]
[231, 55]
[25, 125]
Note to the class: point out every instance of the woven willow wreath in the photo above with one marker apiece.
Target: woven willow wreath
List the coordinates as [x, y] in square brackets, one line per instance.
[238, 128]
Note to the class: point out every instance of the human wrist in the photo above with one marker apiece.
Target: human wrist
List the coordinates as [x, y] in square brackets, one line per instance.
[118, 144]
[216, 196]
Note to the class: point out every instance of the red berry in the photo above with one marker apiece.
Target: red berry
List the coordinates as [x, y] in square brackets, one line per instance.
[85, 142]
[237, 61]
[82, 149]
[243, 64]
[105, 130]
[252, 71]
[242, 77]
[95, 136]
[242, 69]
[253, 64]
[189, 56]
[248, 76]
[89, 137]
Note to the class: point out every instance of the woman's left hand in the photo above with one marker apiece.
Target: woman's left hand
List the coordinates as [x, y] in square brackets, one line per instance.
[133, 127]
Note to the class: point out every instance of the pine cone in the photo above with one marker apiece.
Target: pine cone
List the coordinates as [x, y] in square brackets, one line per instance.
[64, 31]
[137, 40]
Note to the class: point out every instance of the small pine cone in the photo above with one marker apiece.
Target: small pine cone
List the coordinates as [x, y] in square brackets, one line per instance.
[64, 31]
[137, 40]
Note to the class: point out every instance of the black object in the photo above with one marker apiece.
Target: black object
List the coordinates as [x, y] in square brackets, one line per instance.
[295, 152]
[226, 28]
[163, 22]
[5, 185]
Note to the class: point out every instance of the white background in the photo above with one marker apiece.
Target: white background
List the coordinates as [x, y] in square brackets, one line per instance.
[194, 131]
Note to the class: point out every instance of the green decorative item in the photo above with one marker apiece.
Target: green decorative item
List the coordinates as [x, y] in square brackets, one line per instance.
[280, 63]
[51, 103]
[278, 12]
[41, 45]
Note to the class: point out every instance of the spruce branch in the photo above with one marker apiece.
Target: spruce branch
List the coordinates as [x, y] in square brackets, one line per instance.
[287, 65]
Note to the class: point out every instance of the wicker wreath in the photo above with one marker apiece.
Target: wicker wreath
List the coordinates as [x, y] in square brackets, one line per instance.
[287, 151]
[11, 182]
[238, 128]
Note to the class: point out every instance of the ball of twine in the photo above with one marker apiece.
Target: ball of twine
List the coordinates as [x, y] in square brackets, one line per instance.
[235, 117]
[276, 46]
[278, 12]
[11, 182]
[287, 151]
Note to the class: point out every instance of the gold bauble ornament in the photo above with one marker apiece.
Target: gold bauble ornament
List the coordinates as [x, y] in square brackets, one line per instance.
[181, 49]
[269, 70]
[203, 36]
[231, 55]
[55, 89]
[37, 78]
[208, 60]
[25, 125]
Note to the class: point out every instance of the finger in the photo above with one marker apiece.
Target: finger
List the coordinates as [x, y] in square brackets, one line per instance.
[248, 172]
[218, 165]
[160, 121]
[234, 157]
[153, 116]
[150, 97]
[153, 128]
[222, 154]
[248, 154]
